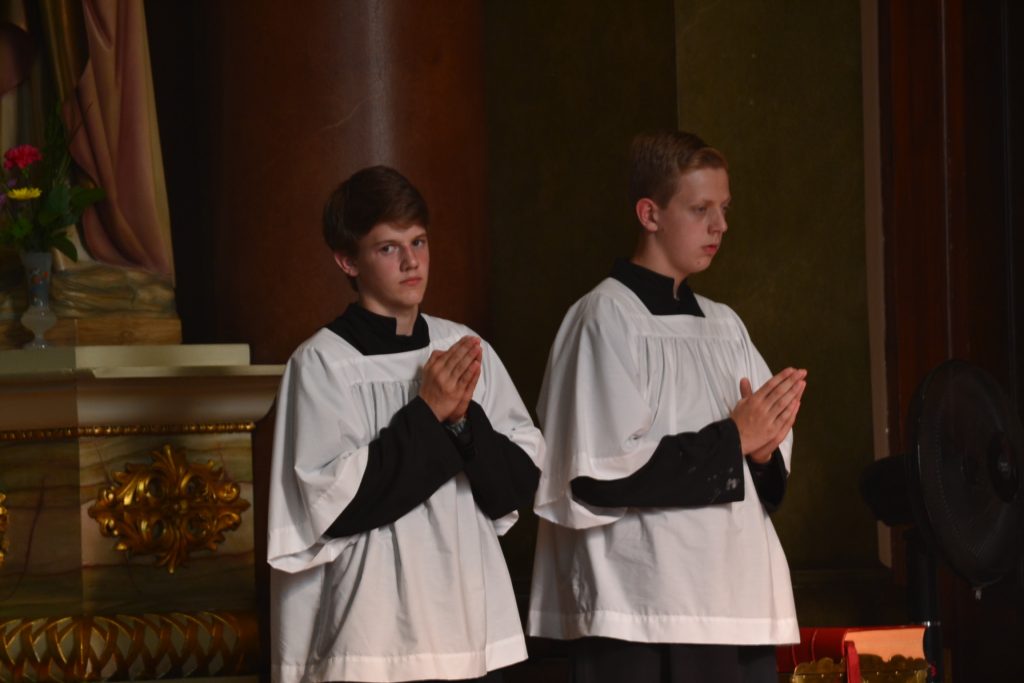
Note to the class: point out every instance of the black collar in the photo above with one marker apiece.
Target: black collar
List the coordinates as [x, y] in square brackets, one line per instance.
[655, 290]
[374, 335]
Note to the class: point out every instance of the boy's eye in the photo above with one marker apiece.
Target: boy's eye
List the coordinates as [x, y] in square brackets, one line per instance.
[419, 242]
[701, 209]
[387, 248]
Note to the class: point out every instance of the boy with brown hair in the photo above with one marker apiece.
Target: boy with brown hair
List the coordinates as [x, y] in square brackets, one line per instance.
[655, 552]
[401, 452]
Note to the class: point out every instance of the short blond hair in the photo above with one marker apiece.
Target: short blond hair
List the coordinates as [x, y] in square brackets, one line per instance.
[657, 159]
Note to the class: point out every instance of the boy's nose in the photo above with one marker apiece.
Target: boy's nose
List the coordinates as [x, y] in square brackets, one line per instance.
[718, 223]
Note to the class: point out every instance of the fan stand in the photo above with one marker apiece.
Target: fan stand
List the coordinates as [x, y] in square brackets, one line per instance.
[923, 598]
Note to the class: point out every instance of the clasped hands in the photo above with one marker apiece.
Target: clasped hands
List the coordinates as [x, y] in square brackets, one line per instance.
[449, 379]
[764, 417]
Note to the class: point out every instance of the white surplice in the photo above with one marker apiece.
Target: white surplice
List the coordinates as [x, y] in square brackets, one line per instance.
[618, 380]
[428, 596]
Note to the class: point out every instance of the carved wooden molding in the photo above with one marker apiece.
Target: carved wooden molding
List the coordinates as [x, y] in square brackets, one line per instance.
[123, 430]
[169, 508]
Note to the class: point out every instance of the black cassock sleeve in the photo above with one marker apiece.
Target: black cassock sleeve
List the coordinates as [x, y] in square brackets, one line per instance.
[408, 461]
[501, 475]
[770, 480]
[692, 469]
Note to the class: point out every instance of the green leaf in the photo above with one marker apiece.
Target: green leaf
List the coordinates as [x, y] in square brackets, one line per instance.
[65, 246]
[20, 229]
[62, 222]
[57, 200]
[55, 207]
[82, 197]
[47, 217]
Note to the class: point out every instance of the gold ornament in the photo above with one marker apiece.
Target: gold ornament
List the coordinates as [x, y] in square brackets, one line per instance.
[59, 433]
[169, 508]
[128, 646]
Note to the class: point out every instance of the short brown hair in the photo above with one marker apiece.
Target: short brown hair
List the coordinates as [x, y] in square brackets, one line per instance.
[374, 195]
[658, 158]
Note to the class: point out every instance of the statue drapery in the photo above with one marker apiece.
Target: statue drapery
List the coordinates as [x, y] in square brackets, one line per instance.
[118, 144]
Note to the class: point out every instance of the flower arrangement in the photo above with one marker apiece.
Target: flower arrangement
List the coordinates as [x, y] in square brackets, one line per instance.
[37, 200]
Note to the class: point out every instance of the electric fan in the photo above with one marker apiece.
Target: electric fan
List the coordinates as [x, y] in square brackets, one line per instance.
[959, 485]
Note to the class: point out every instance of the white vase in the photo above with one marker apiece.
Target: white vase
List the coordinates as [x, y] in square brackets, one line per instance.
[38, 317]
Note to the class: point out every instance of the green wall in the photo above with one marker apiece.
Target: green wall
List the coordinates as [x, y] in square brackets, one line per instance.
[568, 84]
[777, 87]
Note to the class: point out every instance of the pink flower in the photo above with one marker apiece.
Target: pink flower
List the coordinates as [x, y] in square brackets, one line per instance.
[21, 156]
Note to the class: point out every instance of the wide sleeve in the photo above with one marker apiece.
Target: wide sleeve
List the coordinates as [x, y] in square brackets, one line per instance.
[507, 447]
[769, 480]
[594, 414]
[320, 450]
[693, 469]
[501, 475]
[408, 461]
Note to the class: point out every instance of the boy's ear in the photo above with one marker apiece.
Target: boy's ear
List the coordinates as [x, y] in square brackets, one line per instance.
[346, 263]
[647, 214]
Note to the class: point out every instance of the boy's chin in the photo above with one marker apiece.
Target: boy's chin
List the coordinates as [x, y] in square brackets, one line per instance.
[411, 300]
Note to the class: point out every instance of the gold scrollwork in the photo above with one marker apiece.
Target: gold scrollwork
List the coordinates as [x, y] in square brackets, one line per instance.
[169, 508]
[128, 646]
[3, 529]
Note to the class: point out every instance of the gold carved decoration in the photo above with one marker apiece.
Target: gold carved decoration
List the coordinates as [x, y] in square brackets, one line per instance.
[128, 646]
[873, 669]
[169, 508]
[3, 530]
[123, 430]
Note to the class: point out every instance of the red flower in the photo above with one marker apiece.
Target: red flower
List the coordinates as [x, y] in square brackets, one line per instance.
[21, 156]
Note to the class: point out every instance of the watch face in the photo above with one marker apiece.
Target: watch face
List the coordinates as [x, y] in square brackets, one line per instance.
[458, 427]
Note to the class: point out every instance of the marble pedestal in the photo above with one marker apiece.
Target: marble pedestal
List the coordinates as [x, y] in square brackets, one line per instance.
[126, 523]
